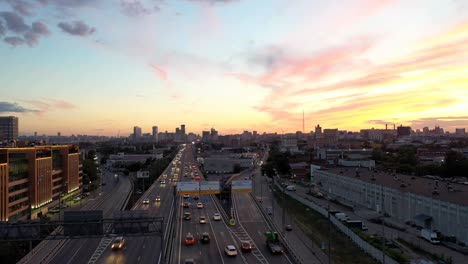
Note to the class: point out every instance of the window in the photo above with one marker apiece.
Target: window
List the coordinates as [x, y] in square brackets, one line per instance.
[17, 187]
[18, 169]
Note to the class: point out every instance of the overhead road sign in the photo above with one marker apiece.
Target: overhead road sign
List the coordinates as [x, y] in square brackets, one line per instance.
[209, 187]
[188, 187]
[142, 174]
[242, 186]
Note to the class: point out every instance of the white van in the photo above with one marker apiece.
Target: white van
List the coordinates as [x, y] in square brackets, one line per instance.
[290, 188]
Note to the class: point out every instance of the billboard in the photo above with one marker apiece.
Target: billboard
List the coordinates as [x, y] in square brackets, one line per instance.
[142, 174]
[209, 187]
[241, 186]
[188, 187]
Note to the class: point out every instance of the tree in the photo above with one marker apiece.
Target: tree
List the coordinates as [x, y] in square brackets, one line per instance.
[455, 164]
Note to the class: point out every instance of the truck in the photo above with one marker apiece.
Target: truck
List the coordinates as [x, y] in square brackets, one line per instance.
[357, 224]
[273, 242]
[341, 216]
[430, 236]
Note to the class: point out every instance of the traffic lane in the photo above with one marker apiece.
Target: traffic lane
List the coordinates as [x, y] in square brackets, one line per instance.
[76, 251]
[86, 247]
[222, 235]
[255, 226]
[144, 249]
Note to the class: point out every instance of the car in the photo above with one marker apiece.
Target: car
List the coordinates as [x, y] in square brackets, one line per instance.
[54, 210]
[138, 192]
[189, 261]
[189, 239]
[157, 199]
[290, 188]
[246, 246]
[202, 220]
[216, 217]
[199, 205]
[162, 182]
[118, 243]
[205, 238]
[164, 176]
[230, 250]
[146, 201]
[186, 196]
[187, 216]
[195, 197]
[186, 205]
[288, 227]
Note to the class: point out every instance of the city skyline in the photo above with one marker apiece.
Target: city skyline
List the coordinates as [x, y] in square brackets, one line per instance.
[100, 67]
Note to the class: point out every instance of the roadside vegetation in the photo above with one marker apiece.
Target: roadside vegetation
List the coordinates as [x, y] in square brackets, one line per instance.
[316, 227]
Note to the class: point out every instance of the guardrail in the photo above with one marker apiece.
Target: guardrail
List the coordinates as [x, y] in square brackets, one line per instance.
[169, 236]
[273, 226]
[368, 248]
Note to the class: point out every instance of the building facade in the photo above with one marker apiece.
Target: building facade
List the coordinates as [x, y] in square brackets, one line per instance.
[8, 128]
[32, 179]
[448, 217]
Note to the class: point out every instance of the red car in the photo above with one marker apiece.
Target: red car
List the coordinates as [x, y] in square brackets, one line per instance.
[189, 239]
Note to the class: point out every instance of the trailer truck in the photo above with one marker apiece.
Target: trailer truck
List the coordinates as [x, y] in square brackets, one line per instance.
[273, 243]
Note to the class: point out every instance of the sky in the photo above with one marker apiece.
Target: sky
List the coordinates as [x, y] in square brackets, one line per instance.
[100, 67]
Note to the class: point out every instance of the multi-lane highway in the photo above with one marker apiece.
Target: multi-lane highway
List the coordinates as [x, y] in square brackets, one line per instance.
[148, 249]
[111, 198]
[220, 237]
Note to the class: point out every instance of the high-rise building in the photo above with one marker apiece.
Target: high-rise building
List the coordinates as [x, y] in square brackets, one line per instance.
[182, 129]
[8, 128]
[318, 132]
[214, 134]
[136, 133]
[33, 179]
[206, 136]
[155, 133]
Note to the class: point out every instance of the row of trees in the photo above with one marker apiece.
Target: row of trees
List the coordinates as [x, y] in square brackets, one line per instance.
[276, 160]
[405, 161]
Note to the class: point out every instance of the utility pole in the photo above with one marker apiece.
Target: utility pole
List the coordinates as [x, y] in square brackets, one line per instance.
[329, 229]
[284, 210]
[383, 223]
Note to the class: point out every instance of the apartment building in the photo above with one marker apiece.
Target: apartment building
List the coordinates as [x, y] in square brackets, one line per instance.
[32, 179]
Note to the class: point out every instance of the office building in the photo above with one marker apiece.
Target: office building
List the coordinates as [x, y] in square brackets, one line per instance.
[206, 136]
[403, 131]
[155, 133]
[214, 135]
[136, 133]
[32, 179]
[8, 128]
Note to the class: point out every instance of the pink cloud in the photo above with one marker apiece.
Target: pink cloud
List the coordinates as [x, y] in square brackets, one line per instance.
[161, 73]
[47, 104]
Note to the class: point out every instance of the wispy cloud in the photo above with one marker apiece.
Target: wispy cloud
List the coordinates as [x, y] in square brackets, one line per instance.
[48, 104]
[160, 72]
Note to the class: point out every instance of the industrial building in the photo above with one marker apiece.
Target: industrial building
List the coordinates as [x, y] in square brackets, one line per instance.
[33, 179]
[430, 203]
